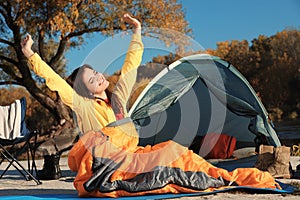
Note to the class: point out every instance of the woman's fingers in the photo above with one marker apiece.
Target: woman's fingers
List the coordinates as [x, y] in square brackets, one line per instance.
[127, 18]
[28, 37]
[27, 41]
[131, 20]
[24, 41]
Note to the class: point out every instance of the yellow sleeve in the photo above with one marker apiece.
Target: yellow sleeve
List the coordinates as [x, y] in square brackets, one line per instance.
[129, 70]
[53, 80]
[134, 54]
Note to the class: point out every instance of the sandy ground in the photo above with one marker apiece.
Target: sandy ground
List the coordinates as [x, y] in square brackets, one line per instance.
[14, 184]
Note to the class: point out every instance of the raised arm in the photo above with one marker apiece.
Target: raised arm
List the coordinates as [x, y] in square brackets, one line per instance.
[135, 50]
[42, 69]
[132, 61]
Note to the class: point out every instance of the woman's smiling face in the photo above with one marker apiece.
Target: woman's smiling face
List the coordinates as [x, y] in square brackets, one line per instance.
[94, 81]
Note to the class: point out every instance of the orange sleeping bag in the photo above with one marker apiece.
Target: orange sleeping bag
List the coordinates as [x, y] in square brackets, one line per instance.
[111, 164]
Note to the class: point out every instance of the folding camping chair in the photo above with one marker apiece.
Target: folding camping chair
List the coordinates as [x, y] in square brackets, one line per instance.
[13, 131]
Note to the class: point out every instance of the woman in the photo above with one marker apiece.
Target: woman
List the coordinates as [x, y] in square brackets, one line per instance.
[85, 91]
[88, 97]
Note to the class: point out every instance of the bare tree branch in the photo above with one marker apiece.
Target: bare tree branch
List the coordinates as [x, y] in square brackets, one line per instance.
[11, 83]
[7, 16]
[20, 13]
[41, 45]
[3, 9]
[6, 42]
[64, 41]
[10, 60]
[90, 30]
[8, 70]
[60, 52]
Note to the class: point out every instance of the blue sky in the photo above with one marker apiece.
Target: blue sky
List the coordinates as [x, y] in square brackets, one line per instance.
[220, 20]
[211, 21]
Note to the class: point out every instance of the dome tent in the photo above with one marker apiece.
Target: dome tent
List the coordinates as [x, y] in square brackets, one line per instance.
[200, 94]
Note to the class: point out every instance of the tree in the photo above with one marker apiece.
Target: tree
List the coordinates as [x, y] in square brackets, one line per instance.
[279, 69]
[58, 26]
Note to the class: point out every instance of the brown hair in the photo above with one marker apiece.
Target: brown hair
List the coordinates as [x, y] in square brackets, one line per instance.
[76, 82]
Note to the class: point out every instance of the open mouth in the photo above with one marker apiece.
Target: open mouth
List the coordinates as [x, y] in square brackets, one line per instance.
[100, 80]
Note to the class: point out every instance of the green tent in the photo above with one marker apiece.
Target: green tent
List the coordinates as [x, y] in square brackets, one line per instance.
[197, 95]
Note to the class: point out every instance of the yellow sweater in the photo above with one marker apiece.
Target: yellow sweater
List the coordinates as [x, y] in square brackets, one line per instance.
[93, 115]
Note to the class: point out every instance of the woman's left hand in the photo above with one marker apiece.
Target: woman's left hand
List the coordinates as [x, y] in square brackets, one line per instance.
[26, 45]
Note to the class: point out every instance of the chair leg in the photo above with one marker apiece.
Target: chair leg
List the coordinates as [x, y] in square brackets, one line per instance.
[32, 153]
[11, 163]
[9, 157]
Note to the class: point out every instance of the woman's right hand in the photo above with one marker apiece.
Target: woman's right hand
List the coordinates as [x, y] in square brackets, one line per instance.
[26, 45]
[132, 21]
